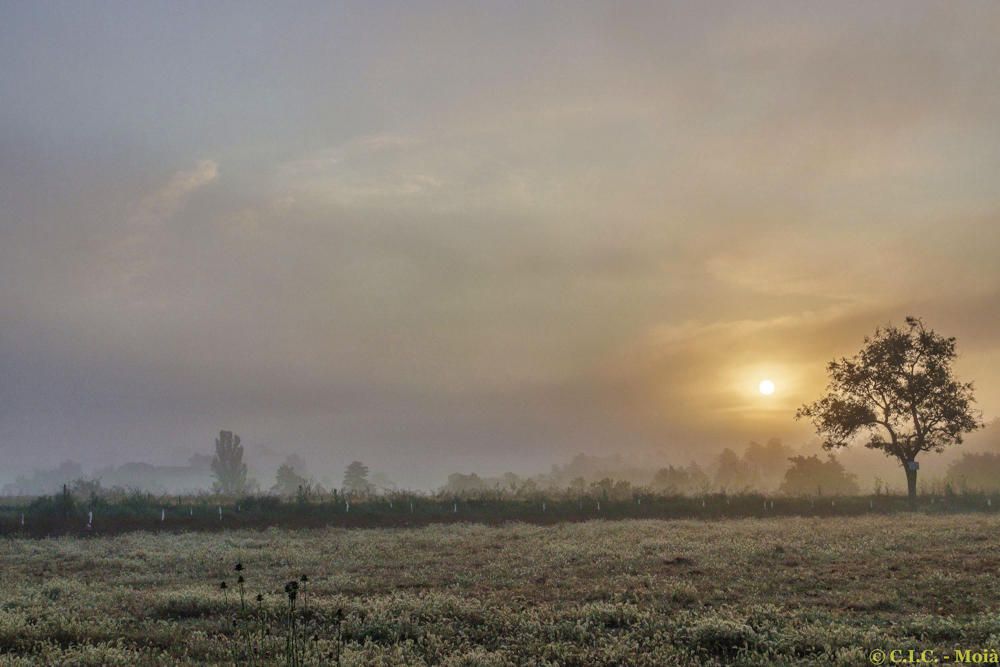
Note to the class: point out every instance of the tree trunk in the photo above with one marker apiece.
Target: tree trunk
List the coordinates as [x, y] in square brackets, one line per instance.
[911, 481]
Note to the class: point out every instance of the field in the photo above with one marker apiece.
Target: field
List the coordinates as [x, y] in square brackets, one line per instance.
[790, 590]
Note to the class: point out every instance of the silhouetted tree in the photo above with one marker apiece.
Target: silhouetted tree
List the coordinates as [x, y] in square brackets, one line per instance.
[809, 474]
[356, 478]
[227, 466]
[900, 391]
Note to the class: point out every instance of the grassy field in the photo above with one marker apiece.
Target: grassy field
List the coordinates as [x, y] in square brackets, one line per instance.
[635, 592]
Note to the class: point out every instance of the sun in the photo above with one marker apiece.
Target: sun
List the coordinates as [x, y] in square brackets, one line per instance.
[766, 387]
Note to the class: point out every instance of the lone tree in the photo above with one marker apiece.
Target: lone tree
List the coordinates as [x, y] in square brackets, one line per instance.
[356, 478]
[899, 392]
[227, 466]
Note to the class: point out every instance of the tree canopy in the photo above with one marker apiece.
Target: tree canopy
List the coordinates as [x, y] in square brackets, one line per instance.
[900, 393]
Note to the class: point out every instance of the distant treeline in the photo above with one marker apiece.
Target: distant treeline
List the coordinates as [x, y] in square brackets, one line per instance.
[771, 468]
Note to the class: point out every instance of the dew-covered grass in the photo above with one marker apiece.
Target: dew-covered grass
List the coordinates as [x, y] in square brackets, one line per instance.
[647, 592]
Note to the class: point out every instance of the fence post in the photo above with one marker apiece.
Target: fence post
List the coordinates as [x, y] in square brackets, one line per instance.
[90, 519]
[163, 515]
[220, 512]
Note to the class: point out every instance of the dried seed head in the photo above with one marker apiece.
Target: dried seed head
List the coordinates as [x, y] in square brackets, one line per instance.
[260, 597]
[304, 578]
[223, 585]
[239, 567]
[240, 579]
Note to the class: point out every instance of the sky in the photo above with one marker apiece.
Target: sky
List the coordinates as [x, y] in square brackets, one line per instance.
[461, 236]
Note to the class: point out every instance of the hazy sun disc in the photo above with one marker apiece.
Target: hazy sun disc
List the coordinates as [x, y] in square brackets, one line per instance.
[766, 387]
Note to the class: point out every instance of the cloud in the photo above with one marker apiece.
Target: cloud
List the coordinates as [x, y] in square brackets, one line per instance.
[135, 250]
[158, 206]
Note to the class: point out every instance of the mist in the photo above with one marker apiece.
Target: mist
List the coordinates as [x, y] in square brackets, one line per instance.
[479, 239]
